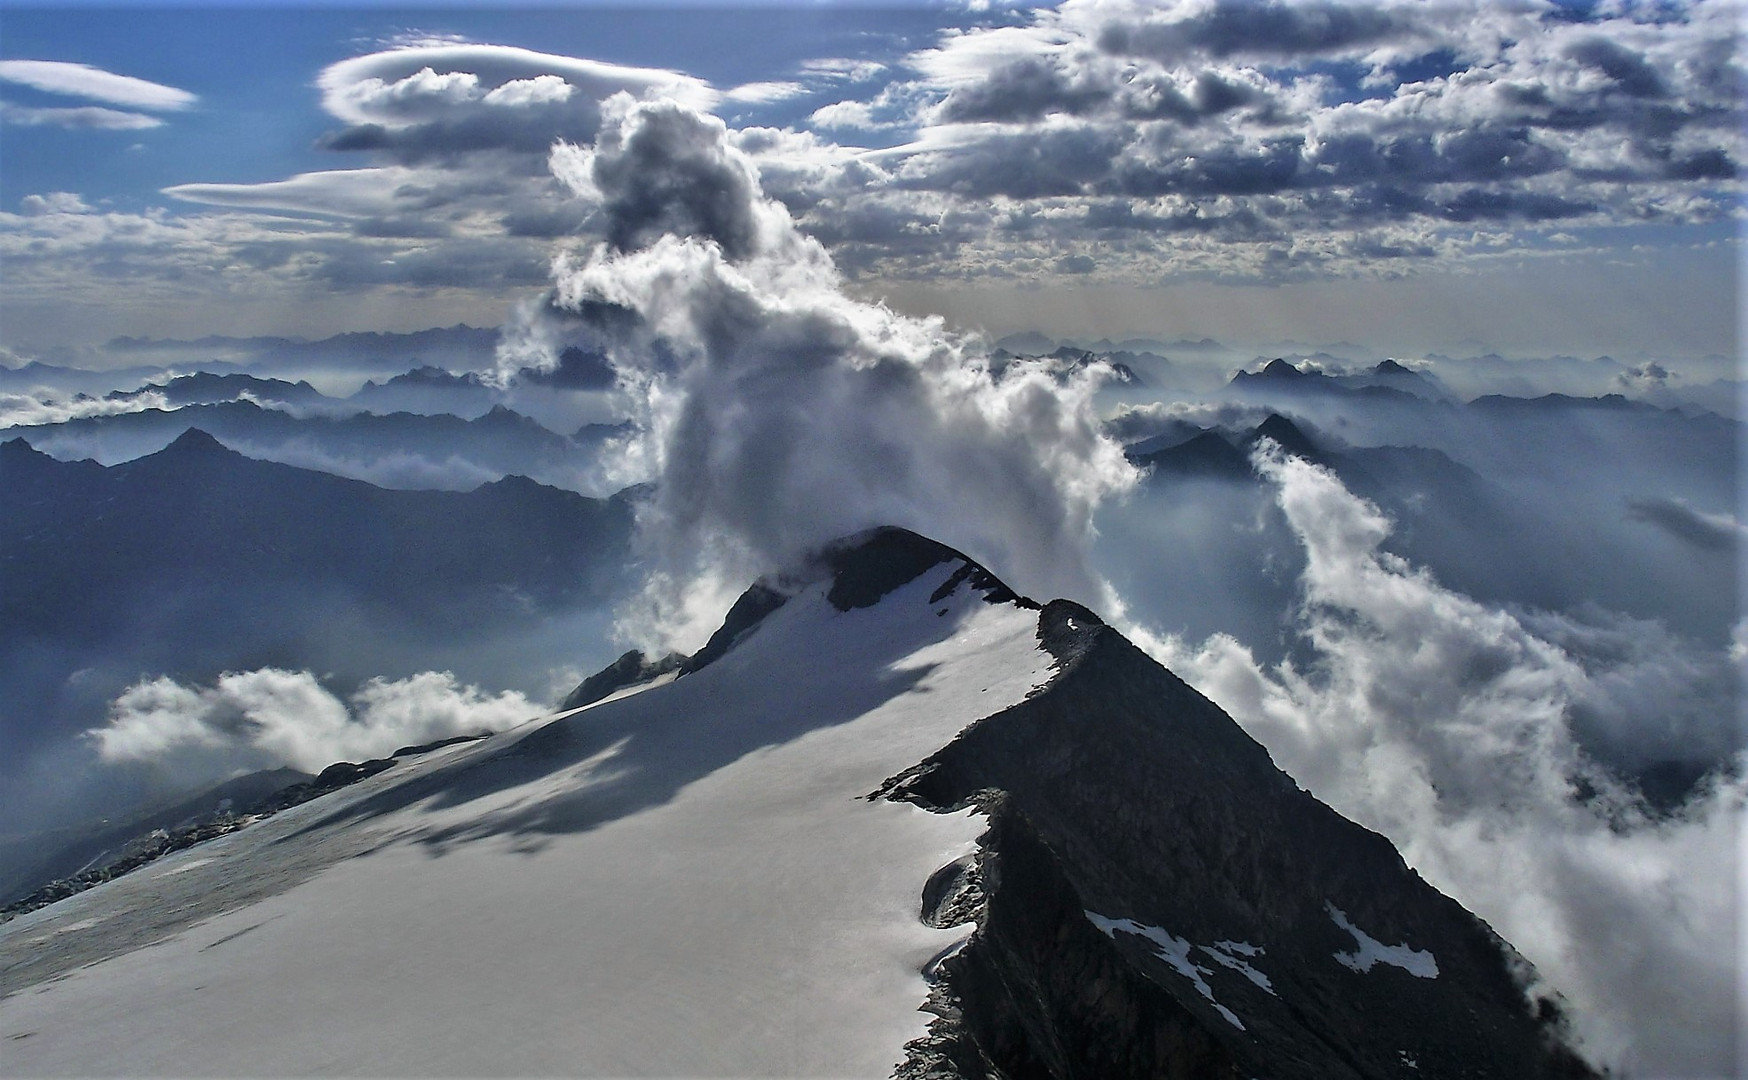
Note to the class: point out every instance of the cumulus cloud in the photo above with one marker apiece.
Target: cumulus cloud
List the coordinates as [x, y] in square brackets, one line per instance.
[273, 717]
[773, 411]
[1449, 727]
[83, 80]
[1314, 138]
[53, 202]
[437, 99]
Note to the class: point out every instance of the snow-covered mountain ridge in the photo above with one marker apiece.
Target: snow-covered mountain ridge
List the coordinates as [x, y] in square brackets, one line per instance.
[719, 873]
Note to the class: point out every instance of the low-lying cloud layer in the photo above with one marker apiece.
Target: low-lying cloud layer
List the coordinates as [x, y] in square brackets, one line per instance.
[1448, 726]
[773, 411]
[272, 717]
[37, 407]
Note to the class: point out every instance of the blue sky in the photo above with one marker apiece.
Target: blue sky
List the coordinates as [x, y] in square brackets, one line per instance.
[1535, 178]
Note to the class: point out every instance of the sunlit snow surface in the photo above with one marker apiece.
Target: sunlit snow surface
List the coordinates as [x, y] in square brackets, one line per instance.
[681, 882]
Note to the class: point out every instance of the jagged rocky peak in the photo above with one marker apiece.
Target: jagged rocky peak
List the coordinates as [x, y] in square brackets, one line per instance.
[18, 449]
[1290, 436]
[1154, 898]
[862, 569]
[868, 565]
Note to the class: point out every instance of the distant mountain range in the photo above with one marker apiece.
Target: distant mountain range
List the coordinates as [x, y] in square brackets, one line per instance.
[1387, 376]
[197, 560]
[400, 449]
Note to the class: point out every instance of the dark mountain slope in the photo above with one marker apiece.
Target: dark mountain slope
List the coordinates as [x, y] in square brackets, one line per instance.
[209, 387]
[198, 514]
[197, 560]
[1125, 802]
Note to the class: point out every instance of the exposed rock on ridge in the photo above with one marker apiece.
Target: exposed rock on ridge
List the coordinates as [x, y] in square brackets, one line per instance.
[1154, 898]
[1159, 900]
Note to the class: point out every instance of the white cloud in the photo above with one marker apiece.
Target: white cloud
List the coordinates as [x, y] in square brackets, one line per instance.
[833, 67]
[344, 192]
[1447, 726]
[856, 115]
[1287, 141]
[272, 717]
[404, 86]
[53, 202]
[85, 116]
[764, 93]
[83, 80]
[540, 90]
[776, 412]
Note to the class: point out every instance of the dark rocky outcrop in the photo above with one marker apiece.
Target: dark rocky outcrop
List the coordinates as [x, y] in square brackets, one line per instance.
[869, 565]
[227, 817]
[1119, 792]
[27, 860]
[1288, 435]
[862, 569]
[1208, 454]
[631, 668]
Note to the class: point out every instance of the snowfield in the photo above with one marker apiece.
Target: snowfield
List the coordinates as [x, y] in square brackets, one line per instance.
[684, 881]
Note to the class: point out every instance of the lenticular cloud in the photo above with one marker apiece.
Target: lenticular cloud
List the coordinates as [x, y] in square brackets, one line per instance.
[775, 412]
[1447, 725]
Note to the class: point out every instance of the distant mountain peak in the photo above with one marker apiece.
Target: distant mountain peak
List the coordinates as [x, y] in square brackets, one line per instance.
[1290, 436]
[16, 447]
[1279, 368]
[196, 441]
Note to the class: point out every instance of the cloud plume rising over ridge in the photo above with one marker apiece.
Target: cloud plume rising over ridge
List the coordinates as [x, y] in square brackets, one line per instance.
[773, 411]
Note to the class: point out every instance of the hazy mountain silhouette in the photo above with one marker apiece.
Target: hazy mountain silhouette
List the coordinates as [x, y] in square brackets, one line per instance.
[428, 450]
[197, 560]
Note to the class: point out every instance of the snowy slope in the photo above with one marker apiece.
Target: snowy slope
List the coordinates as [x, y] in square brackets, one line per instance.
[680, 881]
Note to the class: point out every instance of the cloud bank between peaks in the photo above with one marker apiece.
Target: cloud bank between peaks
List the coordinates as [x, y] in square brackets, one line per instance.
[1449, 727]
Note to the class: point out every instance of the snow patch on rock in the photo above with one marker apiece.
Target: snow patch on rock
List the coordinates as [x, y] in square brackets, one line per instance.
[1175, 951]
[1371, 952]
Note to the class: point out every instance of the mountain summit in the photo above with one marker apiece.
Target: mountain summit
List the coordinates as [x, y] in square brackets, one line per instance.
[890, 784]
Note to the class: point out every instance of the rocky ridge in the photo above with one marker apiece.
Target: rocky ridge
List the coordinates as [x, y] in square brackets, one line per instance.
[1154, 898]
